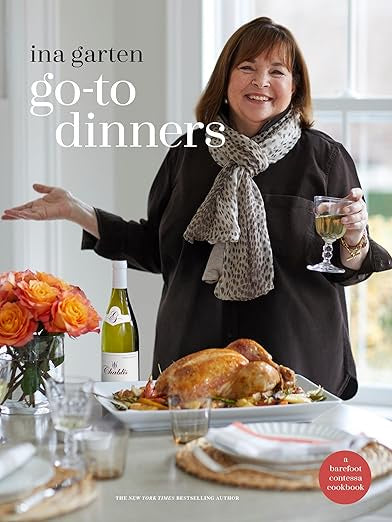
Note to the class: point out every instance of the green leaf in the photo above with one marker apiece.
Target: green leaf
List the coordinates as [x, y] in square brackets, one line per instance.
[58, 360]
[44, 365]
[227, 401]
[316, 395]
[30, 381]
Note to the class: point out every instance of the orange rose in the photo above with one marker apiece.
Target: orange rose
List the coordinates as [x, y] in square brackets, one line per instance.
[5, 277]
[17, 325]
[7, 284]
[7, 293]
[26, 275]
[73, 314]
[37, 296]
[53, 281]
[15, 277]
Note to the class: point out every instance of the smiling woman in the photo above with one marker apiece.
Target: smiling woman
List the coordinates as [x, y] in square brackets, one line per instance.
[245, 210]
[254, 60]
[258, 90]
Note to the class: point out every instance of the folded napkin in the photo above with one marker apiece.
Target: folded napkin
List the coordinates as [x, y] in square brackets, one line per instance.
[14, 457]
[240, 439]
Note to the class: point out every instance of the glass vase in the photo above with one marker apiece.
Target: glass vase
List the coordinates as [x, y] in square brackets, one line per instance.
[32, 364]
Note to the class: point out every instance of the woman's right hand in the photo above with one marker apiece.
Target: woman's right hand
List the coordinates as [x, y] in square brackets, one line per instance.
[57, 203]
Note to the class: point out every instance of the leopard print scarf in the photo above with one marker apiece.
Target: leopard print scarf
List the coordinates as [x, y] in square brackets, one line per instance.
[232, 216]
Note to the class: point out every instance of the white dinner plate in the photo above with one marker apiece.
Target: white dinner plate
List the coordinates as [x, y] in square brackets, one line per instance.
[34, 473]
[328, 440]
[151, 420]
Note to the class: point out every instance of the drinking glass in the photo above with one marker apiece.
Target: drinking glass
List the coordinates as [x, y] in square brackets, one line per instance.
[104, 448]
[189, 419]
[70, 407]
[328, 213]
[5, 370]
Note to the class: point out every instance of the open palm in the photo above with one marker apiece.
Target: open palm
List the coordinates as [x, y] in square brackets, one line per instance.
[55, 204]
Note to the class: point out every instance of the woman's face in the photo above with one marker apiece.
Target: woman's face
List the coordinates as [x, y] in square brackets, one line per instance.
[258, 90]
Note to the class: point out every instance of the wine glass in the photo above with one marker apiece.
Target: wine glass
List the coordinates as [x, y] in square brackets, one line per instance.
[328, 213]
[70, 407]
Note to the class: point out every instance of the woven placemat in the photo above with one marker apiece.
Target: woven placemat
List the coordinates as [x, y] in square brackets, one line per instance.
[377, 456]
[64, 501]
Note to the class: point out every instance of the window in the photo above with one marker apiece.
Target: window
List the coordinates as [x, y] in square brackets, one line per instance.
[346, 44]
[5, 144]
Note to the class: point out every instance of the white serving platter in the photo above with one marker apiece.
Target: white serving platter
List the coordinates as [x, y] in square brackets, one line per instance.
[160, 420]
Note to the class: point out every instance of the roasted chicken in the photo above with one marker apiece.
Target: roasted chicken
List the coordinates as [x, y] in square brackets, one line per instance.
[239, 370]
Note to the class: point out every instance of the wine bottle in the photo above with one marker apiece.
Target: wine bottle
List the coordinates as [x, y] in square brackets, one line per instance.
[120, 337]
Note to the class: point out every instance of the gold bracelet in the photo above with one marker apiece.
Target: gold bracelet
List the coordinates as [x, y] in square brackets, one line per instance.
[354, 250]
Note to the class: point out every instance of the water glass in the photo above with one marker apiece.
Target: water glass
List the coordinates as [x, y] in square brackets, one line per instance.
[189, 419]
[5, 370]
[70, 407]
[104, 448]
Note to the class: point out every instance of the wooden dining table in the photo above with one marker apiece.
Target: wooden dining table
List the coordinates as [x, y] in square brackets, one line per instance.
[153, 488]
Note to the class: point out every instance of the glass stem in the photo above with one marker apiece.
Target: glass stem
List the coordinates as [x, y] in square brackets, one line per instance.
[327, 252]
[70, 445]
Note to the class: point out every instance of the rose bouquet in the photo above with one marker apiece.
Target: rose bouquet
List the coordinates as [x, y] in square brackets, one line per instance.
[36, 310]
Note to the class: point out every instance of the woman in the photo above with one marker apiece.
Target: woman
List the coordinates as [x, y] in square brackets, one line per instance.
[240, 217]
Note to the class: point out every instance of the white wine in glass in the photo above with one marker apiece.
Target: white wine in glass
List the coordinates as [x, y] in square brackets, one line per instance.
[328, 213]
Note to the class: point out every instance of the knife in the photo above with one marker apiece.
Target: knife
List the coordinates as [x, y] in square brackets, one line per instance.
[38, 497]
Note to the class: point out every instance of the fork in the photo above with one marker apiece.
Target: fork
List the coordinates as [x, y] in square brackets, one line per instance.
[214, 466]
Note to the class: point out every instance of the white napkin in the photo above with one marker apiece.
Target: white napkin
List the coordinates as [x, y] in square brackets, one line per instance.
[14, 457]
[240, 439]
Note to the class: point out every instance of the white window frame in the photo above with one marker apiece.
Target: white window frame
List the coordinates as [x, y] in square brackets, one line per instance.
[345, 105]
[184, 58]
[3, 62]
[6, 236]
[219, 18]
[31, 159]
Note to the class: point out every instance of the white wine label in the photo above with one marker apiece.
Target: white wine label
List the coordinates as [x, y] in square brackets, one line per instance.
[120, 366]
[114, 316]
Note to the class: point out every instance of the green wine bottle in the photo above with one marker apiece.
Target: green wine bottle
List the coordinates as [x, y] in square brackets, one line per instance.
[120, 337]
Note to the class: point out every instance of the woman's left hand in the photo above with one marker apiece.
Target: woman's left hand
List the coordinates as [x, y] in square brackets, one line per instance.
[356, 216]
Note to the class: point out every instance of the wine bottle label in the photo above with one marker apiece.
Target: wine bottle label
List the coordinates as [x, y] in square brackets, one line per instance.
[114, 316]
[120, 366]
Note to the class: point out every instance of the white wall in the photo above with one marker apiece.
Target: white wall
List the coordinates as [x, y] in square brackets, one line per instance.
[141, 25]
[118, 180]
[87, 172]
[5, 170]
[114, 179]
[5, 186]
